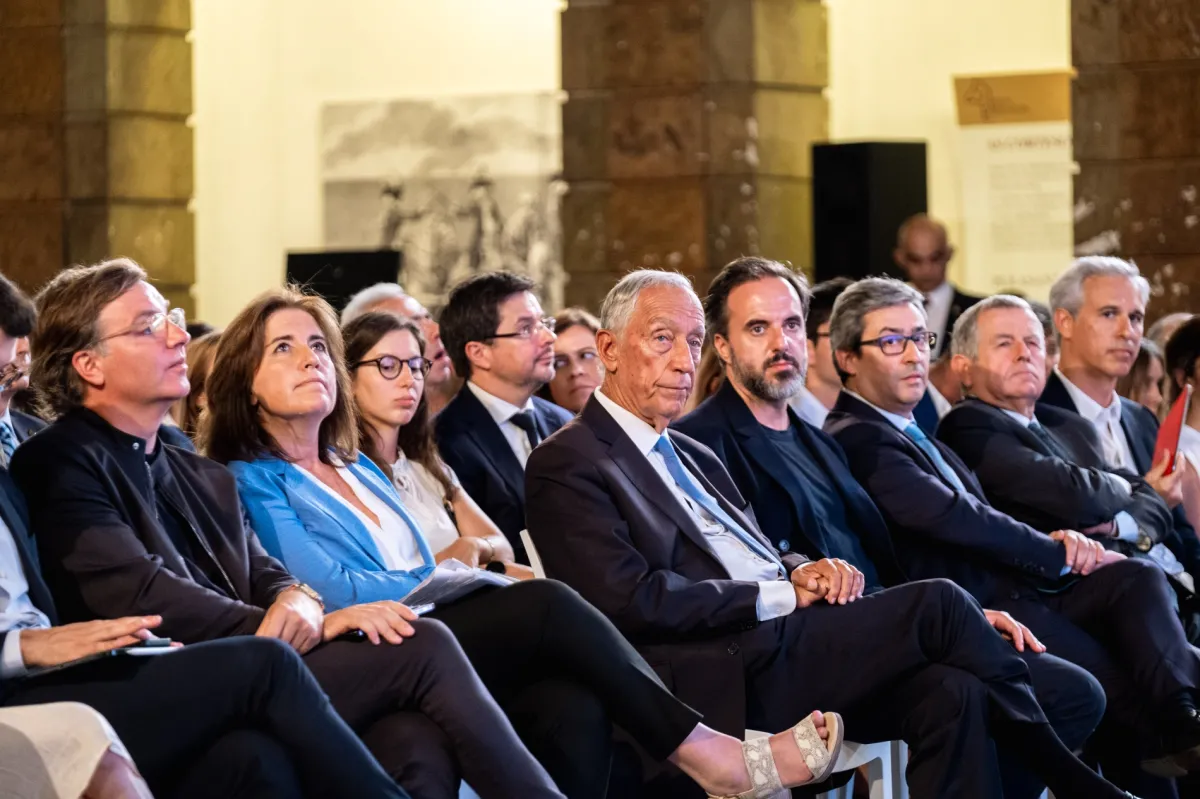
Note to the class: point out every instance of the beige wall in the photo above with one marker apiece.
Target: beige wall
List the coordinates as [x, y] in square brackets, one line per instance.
[264, 68]
[892, 62]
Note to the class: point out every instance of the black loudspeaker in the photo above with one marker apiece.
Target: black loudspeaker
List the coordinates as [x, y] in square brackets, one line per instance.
[862, 192]
[338, 276]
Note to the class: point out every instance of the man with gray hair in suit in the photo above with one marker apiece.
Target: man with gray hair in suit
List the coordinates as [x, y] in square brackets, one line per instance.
[649, 527]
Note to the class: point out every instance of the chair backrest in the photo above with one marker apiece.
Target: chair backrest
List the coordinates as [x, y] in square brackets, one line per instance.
[531, 551]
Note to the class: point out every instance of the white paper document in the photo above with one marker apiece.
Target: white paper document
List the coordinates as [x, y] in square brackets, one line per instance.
[452, 579]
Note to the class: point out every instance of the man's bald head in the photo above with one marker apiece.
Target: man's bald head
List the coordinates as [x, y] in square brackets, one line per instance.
[923, 251]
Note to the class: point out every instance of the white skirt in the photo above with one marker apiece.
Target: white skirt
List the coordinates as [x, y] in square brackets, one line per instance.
[51, 751]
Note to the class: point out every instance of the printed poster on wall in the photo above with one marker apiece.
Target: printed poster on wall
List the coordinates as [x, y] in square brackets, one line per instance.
[1017, 167]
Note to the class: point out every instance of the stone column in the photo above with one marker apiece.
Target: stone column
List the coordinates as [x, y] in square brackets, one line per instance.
[1137, 140]
[95, 150]
[687, 133]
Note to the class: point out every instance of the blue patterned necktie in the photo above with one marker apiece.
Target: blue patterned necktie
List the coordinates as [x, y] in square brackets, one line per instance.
[921, 440]
[698, 495]
[8, 442]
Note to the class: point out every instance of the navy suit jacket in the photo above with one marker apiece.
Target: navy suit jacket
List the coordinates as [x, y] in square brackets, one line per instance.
[1027, 479]
[937, 530]
[25, 425]
[725, 425]
[473, 445]
[1141, 430]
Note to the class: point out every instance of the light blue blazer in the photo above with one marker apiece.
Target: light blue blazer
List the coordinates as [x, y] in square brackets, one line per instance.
[321, 541]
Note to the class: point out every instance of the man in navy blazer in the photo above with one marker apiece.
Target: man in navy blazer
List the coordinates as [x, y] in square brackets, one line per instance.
[1099, 307]
[1088, 604]
[500, 341]
[798, 483]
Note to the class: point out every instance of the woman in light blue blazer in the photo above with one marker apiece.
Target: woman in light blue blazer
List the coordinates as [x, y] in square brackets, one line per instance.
[281, 415]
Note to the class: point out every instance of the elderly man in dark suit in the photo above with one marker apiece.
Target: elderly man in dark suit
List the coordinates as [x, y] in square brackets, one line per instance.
[648, 526]
[500, 341]
[798, 483]
[1064, 586]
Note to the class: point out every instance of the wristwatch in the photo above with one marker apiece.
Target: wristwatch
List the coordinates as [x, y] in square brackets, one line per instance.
[308, 591]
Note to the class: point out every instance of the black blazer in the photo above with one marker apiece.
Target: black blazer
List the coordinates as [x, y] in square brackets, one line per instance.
[25, 425]
[473, 445]
[103, 550]
[938, 531]
[1141, 431]
[724, 424]
[606, 524]
[1025, 478]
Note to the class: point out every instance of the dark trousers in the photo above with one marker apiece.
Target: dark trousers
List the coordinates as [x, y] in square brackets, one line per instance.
[565, 675]
[1118, 623]
[236, 718]
[426, 717]
[918, 662]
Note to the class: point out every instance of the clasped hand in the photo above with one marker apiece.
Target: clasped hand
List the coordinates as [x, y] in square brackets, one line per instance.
[1084, 555]
[831, 579]
[297, 620]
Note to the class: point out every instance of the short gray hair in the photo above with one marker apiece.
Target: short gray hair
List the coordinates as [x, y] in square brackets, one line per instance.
[965, 340]
[365, 300]
[1067, 291]
[619, 304]
[858, 300]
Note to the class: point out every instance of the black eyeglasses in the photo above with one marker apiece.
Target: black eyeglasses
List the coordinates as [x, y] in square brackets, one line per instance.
[390, 366]
[528, 329]
[895, 344]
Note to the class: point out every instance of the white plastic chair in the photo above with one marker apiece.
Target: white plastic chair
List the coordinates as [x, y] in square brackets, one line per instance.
[535, 562]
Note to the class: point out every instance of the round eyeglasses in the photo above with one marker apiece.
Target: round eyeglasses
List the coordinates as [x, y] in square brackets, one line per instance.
[390, 366]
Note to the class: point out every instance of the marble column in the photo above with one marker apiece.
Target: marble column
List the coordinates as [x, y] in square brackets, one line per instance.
[95, 149]
[687, 134]
[1137, 140]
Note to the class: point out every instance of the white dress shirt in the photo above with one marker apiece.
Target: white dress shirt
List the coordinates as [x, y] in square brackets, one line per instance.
[901, 422]
[1106, 420]
[16, 609]
[1189, 445]
[937, 314]
[810, 409]
[395, 540]
[425, 500]
[501, 412]
[776, 596]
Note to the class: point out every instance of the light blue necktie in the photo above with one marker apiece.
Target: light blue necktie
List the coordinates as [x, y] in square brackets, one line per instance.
[921, 440]
[690, 487]
[8, 442]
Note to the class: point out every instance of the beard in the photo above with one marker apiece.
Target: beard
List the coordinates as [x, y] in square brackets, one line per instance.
[782, 386]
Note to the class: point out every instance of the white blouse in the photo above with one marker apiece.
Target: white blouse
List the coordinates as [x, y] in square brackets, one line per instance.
[425, 499]
[397, 544]
[1189, 445]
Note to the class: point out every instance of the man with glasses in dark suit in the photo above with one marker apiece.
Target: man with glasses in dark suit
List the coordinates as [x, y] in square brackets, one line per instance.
[502, 343]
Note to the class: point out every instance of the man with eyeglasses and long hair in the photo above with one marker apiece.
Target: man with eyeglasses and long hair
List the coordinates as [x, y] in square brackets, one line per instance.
[502, 343]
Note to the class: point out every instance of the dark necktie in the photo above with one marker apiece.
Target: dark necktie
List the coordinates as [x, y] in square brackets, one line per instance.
[1044, 436]
[526, 422]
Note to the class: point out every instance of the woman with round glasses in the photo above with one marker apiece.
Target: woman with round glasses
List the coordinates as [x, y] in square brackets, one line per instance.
[281, 415]
[387, 366]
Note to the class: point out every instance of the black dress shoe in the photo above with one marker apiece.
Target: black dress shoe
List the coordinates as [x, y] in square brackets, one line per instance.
[1180, 747]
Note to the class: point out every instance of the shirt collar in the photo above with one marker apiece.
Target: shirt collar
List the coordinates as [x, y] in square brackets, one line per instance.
[1087, 407]
[1024, 420]
[500, 410]
[7, 418]
[809, 407]
[901, 422]
[643, 435]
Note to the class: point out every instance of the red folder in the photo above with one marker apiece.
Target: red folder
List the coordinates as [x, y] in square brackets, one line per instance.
[1172, 427]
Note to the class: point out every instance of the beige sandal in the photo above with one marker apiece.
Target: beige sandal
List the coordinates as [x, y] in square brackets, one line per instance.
[820, 755]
